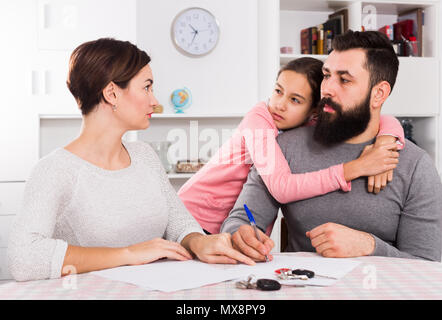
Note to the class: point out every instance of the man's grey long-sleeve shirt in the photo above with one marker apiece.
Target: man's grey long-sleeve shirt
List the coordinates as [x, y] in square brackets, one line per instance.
[405, 218]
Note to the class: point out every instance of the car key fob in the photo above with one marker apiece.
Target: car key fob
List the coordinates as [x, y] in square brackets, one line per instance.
[303, 272]
[268, 284]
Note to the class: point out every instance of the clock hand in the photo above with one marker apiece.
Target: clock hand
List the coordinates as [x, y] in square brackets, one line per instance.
[194, 35]
[196, 31]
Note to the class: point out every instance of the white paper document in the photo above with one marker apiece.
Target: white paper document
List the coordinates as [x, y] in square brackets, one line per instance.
[169, 276]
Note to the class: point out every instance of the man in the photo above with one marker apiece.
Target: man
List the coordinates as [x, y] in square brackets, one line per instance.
[403, 220]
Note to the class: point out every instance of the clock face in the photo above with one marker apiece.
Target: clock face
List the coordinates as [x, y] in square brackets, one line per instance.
[195, 32]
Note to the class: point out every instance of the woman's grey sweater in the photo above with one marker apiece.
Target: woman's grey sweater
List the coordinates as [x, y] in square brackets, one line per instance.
[68, 200]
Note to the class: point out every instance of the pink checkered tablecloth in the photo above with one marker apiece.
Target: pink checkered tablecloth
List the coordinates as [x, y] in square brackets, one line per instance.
[375, 278]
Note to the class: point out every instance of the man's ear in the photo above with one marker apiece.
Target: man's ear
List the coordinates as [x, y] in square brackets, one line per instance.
[109, 94]
[380, 93]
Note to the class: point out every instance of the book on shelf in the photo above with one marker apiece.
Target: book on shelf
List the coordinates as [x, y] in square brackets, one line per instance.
[314, 40]
[388, 31]
[309, 40]
[317, 39]
[342, 15]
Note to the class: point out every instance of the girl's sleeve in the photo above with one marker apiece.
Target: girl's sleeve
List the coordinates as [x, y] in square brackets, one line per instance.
[265, 153]
[390, 126]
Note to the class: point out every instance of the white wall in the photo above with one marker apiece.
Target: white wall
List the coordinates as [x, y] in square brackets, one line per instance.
[226, 80]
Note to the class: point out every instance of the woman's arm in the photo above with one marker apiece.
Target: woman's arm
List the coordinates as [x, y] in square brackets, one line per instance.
[81, 259]
[33, 253]
[284, 186]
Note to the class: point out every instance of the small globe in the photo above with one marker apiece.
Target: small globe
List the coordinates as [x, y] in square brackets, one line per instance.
[181, 99]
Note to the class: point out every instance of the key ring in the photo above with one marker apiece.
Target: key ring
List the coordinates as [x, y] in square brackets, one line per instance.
[286, 274]
[246, 284]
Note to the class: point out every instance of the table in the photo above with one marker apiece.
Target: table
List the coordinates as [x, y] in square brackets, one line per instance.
[379, 278]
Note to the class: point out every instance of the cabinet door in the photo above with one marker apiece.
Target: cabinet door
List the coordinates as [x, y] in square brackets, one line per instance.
[4, 271]
[11, 197]
[50, 94]
[64, 24]
[6, 223]
[416, 92]
[18, 120]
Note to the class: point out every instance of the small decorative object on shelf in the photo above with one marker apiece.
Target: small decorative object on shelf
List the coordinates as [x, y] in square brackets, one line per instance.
[286, 50]
[408, 129]
[188, 166]
[161, 148]
[181, 99]
[158, 109]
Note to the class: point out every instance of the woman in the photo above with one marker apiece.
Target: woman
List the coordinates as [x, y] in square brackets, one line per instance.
[211, 193]
[100, 202]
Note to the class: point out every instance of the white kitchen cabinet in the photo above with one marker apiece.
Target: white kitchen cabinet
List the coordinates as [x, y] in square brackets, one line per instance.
[11, 197]
[65, 24]
[18, 120]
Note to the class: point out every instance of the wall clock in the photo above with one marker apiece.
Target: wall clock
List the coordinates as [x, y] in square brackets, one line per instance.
[195, 32]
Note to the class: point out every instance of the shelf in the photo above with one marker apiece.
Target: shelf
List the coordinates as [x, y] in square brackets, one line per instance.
[154, 116]
[196, 116]
[314, 5]
[174, 175]
[285, 58]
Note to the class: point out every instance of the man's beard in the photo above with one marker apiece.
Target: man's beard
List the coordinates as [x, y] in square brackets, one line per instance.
[341, 126]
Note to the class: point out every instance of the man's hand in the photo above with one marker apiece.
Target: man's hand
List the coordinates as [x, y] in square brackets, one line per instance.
[245, 241]
[333, 240]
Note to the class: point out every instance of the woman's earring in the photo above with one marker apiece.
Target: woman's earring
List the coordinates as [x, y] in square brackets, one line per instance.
[114, 108]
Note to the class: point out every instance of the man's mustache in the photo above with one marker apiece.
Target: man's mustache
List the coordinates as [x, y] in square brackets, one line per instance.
[328, 101]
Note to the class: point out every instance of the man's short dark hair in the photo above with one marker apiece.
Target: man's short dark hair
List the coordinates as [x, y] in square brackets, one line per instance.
[381, 60]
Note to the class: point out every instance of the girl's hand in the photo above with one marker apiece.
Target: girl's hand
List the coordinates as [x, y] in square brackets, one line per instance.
[216, 248]
[155, 249]
[378, 159]
[374, 160]
[378, 182]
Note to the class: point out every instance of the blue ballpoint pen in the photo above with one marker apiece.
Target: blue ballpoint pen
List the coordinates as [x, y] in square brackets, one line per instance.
[253, 224]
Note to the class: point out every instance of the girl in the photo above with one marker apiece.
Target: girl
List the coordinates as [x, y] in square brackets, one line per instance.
[211, 193]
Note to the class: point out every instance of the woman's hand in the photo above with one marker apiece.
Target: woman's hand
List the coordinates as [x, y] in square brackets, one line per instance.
[216, 248]
[155, 249]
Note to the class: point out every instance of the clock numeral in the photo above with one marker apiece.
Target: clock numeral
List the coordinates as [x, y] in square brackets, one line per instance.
[195, 16]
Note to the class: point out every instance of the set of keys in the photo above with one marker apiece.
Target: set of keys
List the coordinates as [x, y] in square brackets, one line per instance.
[262, 284]
[299, 274]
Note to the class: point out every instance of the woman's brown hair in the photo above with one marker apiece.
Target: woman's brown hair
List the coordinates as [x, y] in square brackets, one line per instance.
[94, 64]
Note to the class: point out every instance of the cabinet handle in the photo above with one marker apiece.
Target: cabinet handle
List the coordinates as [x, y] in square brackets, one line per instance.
[48, 82]
[35, 83]
[41, 82]
[47, 16]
